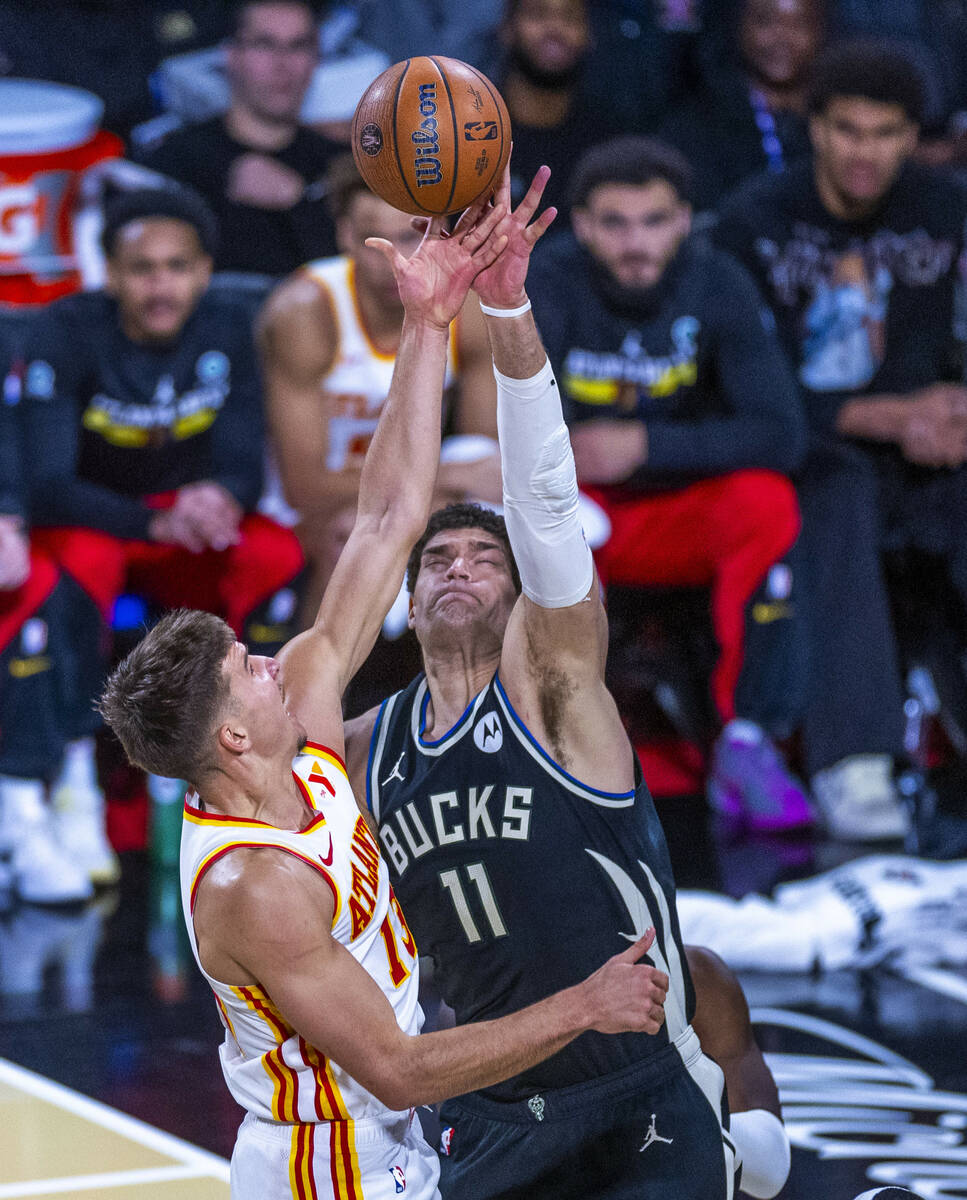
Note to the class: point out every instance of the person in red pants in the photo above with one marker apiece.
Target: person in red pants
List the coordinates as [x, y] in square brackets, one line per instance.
[685, 424]
[143, 418]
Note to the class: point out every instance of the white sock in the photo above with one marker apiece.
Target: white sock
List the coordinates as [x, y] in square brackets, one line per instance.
[744, 731]
[79, 767]
[22, 802]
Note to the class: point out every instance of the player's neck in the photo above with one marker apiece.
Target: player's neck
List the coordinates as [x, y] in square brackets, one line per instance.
[454, 679]
[382, 323]
[258, 790]
[258, 132]
[540, 108]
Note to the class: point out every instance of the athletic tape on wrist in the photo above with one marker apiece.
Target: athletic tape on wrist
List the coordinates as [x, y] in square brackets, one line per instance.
[763, 1145]
[541, 491]
[505, 312]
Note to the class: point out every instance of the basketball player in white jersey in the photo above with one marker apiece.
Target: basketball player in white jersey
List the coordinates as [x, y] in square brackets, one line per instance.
[329, 335]
[287, 900]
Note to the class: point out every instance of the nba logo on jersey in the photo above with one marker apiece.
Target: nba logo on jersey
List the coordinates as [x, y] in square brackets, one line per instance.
[488, 734]
[398, 1178]
[446, 1137]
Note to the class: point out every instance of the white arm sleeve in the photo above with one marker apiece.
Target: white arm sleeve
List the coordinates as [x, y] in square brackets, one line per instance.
[541, 491]
[763, 1145]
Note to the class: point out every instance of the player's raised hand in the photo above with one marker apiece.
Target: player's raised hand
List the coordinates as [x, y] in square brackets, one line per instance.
[434, 281]
[502, 285]
[624, 995]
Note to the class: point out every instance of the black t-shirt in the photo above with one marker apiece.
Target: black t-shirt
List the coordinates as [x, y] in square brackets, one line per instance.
[696, 361]
[262, 240]
[11, 486]
[727, 135]
[863, 307]
[110, 422]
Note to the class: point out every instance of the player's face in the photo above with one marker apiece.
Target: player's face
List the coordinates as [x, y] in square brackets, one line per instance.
[464, 586]
[157, 272]
[271, 61]
[633, 230]
[367, 217]
[780, 38]
[259, 697]
[860, 146]
[551, 36]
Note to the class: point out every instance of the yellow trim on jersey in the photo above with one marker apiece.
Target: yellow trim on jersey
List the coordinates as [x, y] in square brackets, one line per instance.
[318, 751]
[383, 355]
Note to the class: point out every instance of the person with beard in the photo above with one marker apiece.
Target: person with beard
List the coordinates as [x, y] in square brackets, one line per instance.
[752, 118]
[860, 254]
[545, 45]
[685, 424]
[259, 169]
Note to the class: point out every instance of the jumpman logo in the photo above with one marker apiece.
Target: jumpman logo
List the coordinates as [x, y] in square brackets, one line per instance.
[395, 773]
[652, 1136]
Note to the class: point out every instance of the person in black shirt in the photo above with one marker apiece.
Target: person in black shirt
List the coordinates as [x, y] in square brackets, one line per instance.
[752, 118]
[860, 256]
[35, 862]
[145, 400]
[259, 169]
[685, 423]
[546, 44]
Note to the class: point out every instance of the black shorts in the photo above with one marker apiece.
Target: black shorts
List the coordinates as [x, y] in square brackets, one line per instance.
[653, 1131]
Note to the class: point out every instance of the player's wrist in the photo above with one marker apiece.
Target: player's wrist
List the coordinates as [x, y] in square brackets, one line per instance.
[506, 306]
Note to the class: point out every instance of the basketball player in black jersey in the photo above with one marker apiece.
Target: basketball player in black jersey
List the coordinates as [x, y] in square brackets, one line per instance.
[520, 835]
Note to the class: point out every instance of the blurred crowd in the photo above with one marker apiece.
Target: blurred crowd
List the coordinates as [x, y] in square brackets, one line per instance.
[752, 296]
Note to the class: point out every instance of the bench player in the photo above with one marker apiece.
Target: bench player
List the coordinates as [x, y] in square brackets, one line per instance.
[307, 951]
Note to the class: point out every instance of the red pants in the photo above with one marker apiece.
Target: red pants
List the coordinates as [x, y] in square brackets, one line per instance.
[19, 605]
[722, 533]
[230, 583]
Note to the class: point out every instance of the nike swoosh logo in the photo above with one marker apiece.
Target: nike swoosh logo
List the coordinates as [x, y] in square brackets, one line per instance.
[327, 862]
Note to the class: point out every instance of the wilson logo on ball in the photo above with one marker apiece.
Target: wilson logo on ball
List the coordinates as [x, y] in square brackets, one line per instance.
[480, 131]
[427, 140]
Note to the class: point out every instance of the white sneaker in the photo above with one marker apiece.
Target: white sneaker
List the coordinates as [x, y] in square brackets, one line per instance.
[79, 827]
[859, 800]
[42, 872]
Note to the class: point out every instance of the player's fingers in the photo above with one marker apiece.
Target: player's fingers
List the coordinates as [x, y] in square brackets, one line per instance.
[536, 231]
[474, 217]
[419, 224]
[387, 249]
[482, 233]
[528, 206]
[638, 948]
[487, 254]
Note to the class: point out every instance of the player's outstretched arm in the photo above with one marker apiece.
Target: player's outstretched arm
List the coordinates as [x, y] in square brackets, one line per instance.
[396, 485]
[556, 641]
[272, 915]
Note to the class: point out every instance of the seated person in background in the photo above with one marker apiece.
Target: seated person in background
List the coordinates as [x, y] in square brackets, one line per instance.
[329, 337]
[859, 252]
[685, 421]
[143, 410]
[259, 169]
[43, 861]
[750, 117]
[545, 45]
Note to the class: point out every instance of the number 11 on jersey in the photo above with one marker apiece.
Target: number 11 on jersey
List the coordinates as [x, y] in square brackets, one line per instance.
[477, 875]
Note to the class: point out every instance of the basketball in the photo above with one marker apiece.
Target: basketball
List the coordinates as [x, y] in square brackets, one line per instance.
[430, 135]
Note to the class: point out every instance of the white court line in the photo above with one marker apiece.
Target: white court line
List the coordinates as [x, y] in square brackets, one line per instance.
[203, 1162]
[947, 983]
[85, 1183]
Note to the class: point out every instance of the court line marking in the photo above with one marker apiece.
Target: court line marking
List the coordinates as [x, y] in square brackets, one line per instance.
[107, 1179]
[202, 1161]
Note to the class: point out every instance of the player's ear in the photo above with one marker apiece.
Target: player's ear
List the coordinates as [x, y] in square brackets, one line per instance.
[410, 613]
[233, 737]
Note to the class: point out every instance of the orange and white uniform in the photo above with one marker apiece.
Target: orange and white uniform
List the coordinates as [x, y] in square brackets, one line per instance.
[356, 387]
[310, 1129]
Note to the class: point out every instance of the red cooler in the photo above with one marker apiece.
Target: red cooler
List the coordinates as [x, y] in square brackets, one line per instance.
[49, 136]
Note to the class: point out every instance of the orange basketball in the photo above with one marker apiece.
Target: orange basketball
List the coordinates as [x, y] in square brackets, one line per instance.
[430, 135]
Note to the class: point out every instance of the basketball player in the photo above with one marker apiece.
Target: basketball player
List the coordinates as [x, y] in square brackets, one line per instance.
[313, 967]
[329, 335]
[516, 823]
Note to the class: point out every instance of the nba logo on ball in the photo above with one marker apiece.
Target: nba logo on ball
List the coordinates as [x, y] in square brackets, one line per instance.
[415, 133]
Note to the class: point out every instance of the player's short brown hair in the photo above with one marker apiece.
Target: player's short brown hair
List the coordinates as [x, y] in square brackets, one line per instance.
[462, 516]
[164, 700]
[343, 184]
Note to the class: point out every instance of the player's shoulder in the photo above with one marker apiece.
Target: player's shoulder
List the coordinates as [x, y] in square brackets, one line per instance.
[937, 197]
[299, 305]
[76, 324]
[559, 254]
[766, 193]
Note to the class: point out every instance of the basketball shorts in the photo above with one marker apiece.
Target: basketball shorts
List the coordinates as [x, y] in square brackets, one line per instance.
[346, 1160]
[649, 1132]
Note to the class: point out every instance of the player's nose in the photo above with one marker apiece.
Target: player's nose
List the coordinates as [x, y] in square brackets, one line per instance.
[459, 568]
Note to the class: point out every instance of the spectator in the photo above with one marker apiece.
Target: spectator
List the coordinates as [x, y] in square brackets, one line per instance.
[34, 861]
[329, 337]
[258, 168]
[546, 44]
[684, 422]
[751, 113]
[860, 255]
[145, 400]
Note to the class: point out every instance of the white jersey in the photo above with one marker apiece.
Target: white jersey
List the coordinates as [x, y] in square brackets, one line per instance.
[270, 1069]
[356, 387]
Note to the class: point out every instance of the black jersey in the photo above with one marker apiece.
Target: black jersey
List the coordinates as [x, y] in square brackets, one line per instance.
[517, 879]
